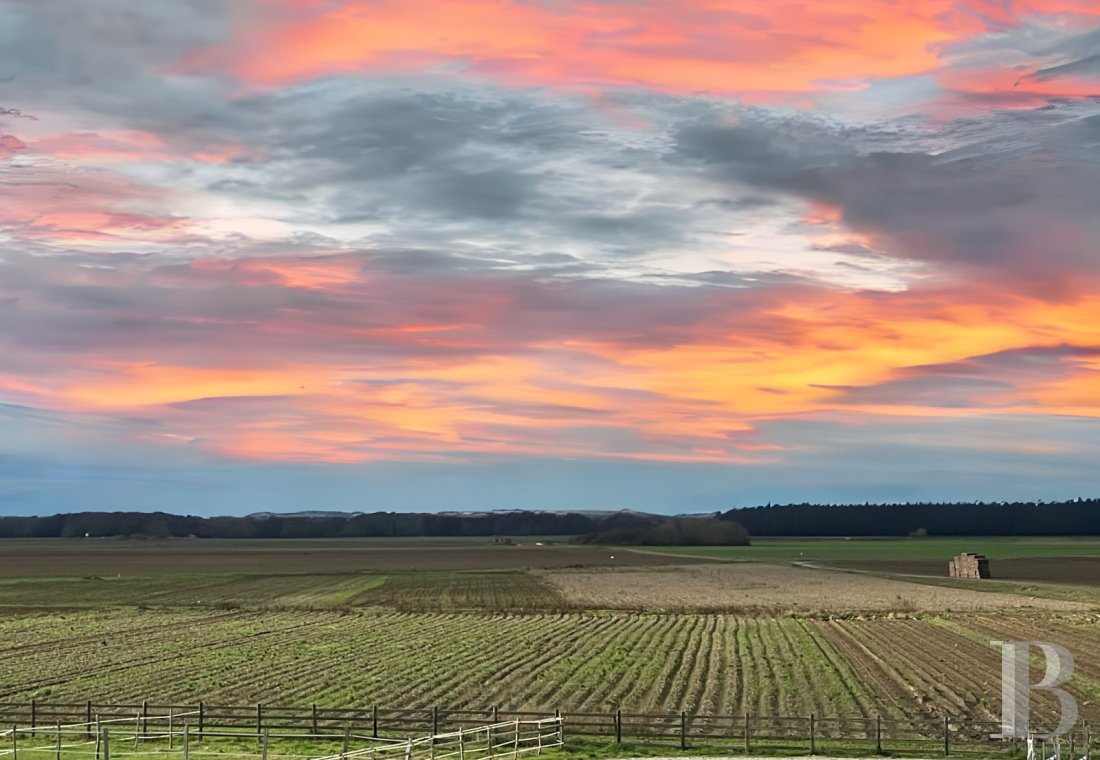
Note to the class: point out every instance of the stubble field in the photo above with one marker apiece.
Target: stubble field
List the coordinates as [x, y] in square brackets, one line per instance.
[779, 589]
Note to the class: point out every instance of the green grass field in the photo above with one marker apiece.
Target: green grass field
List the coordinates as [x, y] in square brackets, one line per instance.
[403, 590]
[931, 548]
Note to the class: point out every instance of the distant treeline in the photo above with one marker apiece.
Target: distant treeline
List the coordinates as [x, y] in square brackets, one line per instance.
[1078, 517]
[1068, 518]
[375, 524]
[676, 531]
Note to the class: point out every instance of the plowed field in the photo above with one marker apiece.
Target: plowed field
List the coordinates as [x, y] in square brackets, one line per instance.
[108, 557]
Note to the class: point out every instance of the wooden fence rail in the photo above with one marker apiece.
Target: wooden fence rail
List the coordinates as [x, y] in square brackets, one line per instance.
[127, 738]
[746, 733]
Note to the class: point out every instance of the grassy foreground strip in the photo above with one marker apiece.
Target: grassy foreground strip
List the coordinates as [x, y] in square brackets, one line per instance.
[296, 749]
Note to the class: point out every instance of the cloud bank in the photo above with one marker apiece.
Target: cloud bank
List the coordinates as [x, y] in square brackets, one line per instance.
[664, 255]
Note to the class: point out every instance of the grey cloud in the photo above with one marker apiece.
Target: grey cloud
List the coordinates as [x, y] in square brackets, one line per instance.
[745, 202]
[1010, 187]
[490, 194]
[512, 170]
[16, 113]
[107, 56]
[1083, 54]
[852, 249]
[761, 151]
[1087, 66]
[944, 392]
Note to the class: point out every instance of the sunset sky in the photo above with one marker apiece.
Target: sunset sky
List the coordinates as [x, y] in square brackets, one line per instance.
[457, 254]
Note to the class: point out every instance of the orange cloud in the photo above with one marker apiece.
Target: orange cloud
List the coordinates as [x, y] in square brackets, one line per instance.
[315, 274]
[700, 398]
[137, 385]
[110, 146]
[721, 46]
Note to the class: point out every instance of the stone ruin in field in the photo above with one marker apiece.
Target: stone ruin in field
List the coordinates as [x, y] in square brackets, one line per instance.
[969, 565]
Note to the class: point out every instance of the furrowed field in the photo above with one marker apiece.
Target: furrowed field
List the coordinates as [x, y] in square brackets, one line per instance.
[457, 625]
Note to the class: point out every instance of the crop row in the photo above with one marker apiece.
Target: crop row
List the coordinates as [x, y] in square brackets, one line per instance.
[711, 664]
[500, 590]
[706, 663]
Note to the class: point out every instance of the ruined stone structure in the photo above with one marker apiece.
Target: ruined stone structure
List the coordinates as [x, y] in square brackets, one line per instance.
[969, 565]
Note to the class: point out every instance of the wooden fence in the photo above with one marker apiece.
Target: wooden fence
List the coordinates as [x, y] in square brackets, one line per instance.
[125, 737]
[736, 733]
[509, 739]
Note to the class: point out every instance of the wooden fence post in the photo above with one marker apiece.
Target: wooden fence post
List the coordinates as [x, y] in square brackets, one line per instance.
[106, 744]
[41, 720]
[263, 744]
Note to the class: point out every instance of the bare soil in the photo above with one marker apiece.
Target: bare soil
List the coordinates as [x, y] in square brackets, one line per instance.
[84, 557]
[745, 586]
[1077, 571]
